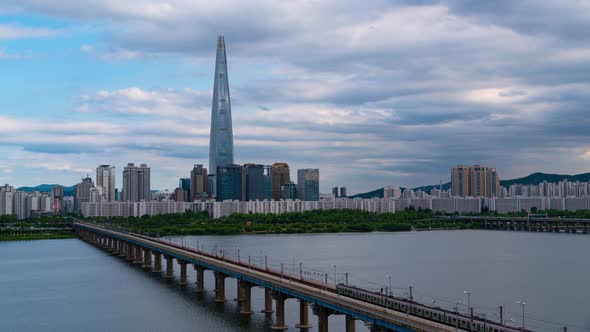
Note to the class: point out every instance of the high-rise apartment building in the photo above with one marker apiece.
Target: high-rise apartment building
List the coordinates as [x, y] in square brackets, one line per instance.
[57, 196]
[136, 183]
[280, 176]
[335, 191]
[221, 143]
[475, 181]
[6, 197]
[257, 182]
[105, 177]
[308, 184]
[199, 182]
[229, 182]
[82, 194]
[342, 191]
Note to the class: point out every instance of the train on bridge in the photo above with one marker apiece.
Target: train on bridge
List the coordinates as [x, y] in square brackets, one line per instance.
[440, 315]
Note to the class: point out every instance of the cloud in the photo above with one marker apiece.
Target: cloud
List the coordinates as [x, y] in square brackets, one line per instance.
[395, 92]
[13, 31]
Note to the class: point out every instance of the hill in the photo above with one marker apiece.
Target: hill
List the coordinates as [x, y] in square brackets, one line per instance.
[534, 178]
[68, 191]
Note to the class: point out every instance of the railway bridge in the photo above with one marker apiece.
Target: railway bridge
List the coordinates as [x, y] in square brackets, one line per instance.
[325, 299]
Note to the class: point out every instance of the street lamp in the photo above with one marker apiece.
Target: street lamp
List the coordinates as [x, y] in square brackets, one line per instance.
[389, 283]
[468, 299]
[522, 304]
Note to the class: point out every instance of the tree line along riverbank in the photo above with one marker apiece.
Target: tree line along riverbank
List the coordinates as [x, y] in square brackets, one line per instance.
[319, 221]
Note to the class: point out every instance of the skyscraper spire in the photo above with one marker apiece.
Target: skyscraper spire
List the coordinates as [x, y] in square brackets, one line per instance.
[221, 143]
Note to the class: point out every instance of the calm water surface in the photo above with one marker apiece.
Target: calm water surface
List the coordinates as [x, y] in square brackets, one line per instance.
[68, 285]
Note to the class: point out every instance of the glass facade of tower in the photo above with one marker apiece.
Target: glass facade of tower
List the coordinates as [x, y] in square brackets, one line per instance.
[258, 182]
[229, 182]
[221, 143]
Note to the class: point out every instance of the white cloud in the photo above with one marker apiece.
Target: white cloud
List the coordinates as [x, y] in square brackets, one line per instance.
[12, 31]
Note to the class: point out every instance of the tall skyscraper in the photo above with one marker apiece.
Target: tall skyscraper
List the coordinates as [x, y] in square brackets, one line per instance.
[280, 176]
[335, 192]
[474, 181]
[105, 177]
[136, 183]
[257, 182]
[221, 142]
[57, 195]
[308, 184]
[198, 182]
[229, 182]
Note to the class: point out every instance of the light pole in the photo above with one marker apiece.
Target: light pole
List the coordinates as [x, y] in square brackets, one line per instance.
[468, 300]
[334, 266]
[522, 304]
[389, 284]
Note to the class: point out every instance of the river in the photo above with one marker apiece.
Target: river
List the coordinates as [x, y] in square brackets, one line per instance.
[69, 285]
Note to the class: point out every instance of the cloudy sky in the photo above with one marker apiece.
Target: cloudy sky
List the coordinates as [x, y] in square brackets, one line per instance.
[371, 92]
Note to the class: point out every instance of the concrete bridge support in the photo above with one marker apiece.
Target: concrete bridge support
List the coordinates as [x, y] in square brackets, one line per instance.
[137, 255]
[246, 290]
[200, 276]
[219, 287]
[116, 248]
[157, 262]
[350, 324]
[323, 314]
[169, 266]
[267, 301]
[303, 315]
[147, 259]
[280, 313]
[183, 276]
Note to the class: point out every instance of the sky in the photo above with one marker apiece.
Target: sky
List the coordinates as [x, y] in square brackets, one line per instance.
[372, 93]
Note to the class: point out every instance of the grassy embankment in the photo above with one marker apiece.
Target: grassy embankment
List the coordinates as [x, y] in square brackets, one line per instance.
[320, 221]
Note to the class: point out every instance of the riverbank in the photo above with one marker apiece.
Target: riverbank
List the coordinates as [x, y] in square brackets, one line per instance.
[38, 236]
[327, 221]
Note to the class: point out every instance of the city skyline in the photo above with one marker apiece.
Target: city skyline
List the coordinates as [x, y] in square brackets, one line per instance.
[450, 84]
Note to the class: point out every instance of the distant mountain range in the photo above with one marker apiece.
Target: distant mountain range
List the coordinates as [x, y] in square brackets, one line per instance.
[68, 191]
[534, 178]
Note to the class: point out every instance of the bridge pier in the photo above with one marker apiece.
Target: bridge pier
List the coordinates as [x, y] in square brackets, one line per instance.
[323, 314]
[200, 278]
[157, 262]
[267, 301]
[183, 275]
[246, 290]
[147, 259]
[280, 313]
[169, 266]
[303, 315]
[219, 287]
[350, 324]
[116, 248]
[137, 255]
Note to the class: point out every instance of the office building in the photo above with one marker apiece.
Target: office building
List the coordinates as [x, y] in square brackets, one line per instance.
[474, 181]
[199, 183]
[185, 184]
[280, 176]
[257, 182]
[229, 182]
[180, 195]
[221, 141]
[105, 177]
[289, 190]
[308, 184]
